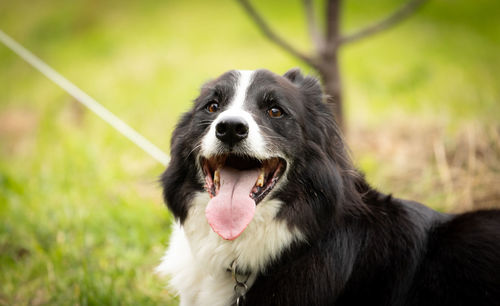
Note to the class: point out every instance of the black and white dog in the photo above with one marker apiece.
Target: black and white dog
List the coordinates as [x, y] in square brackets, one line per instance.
[270, 211]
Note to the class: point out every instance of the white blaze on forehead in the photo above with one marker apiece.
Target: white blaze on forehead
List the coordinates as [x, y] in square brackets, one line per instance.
[254, 144]
[244, 81]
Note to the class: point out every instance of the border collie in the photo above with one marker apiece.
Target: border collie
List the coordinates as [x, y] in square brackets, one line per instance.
[269, 210]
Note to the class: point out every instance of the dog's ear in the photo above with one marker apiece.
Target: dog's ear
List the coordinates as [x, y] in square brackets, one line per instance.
[309, 85]
[294, 75]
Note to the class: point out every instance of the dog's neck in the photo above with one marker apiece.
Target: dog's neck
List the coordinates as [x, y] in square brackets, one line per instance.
[262, 241]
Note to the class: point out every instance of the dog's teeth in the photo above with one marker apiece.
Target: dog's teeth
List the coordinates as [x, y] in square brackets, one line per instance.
[216, 178]
[260, 180]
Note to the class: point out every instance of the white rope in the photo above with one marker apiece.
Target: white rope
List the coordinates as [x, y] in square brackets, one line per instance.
[86, 100]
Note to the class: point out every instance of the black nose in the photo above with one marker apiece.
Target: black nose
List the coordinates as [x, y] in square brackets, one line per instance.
[231, 130]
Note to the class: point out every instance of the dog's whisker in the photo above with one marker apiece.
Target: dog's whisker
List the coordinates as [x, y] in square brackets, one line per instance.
[194, 149]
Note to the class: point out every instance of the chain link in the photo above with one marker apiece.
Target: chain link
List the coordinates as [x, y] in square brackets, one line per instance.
[240, 287]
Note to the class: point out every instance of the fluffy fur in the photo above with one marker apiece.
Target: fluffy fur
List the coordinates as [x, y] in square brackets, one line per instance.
[322, 235]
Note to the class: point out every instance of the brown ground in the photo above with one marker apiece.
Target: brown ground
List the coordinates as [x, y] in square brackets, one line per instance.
[418, 161]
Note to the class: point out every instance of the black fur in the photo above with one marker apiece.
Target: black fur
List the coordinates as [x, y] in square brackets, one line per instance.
[363, 247]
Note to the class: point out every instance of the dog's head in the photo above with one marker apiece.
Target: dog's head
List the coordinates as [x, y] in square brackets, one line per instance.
[252, 136]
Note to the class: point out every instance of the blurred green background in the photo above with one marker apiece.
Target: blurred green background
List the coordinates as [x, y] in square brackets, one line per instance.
[82, 220]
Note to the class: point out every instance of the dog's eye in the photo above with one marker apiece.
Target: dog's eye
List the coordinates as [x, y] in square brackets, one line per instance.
[212, 107]
[275, 112]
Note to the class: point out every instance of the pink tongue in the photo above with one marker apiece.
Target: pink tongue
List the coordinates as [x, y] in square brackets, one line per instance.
[232, 209]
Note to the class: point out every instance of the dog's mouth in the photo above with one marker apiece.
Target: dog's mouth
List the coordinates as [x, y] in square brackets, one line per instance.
[236, 184]
[269, 172]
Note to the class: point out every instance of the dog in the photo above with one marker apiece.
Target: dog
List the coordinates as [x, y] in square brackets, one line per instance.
[270, 210]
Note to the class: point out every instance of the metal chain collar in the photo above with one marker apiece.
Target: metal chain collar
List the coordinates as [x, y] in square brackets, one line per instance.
[240, 286]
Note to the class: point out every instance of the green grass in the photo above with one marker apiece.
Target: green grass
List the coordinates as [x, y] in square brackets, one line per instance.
[82, 220]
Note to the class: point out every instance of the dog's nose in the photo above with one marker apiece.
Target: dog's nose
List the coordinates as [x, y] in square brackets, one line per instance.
[231, 130]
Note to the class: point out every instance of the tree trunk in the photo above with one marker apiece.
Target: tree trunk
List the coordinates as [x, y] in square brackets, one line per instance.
[332, 85]
[329, 67]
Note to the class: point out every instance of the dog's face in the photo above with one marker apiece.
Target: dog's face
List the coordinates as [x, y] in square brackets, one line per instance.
[250, 137]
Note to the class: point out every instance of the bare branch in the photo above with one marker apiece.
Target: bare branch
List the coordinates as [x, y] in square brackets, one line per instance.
[313, 27]
[271, 35]
[399, 15]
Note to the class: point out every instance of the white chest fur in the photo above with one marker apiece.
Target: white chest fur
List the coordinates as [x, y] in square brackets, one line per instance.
[197, 258]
